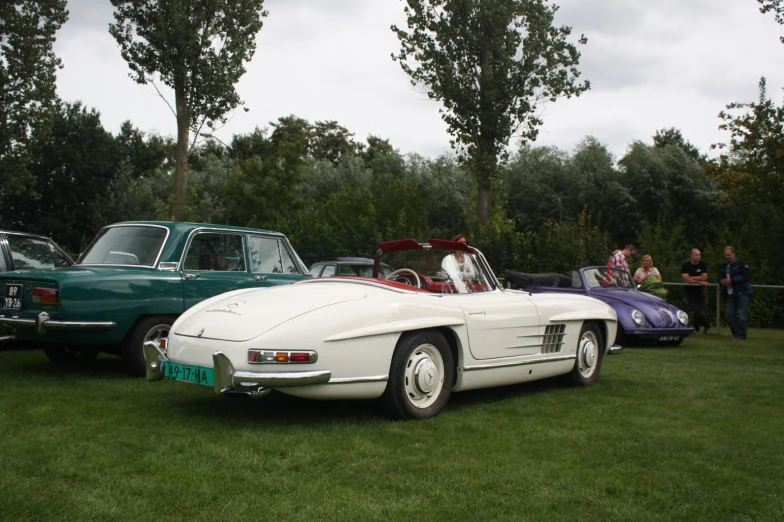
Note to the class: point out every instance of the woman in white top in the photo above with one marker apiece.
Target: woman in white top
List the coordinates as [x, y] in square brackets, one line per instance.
[647, 270]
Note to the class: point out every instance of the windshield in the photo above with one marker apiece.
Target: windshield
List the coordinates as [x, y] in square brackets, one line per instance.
[440, 271]
[125, 245]
[608, 277]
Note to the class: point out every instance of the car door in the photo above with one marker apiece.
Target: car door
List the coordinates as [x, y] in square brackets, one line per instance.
[500, 324]
[271, 262]
[214, 263]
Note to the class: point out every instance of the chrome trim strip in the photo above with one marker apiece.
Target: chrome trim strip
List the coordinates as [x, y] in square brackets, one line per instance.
[492, 366]
[42, 321]
[7, 338]
[615, 349]
[357, 380]
[160, 251]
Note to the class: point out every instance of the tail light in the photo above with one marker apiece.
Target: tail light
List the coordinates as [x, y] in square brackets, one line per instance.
[270, 357]
[46, 296]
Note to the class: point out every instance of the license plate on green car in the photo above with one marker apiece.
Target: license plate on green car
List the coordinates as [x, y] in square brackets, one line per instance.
[187, 373]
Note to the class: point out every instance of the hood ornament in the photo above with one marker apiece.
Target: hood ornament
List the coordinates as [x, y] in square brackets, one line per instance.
[198, 334]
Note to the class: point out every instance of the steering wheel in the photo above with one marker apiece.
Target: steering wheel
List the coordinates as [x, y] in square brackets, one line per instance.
[399, 271]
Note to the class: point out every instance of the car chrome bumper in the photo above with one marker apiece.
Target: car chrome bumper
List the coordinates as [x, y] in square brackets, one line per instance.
[42, 323]
[229, 381]
[615, 349]
[655, 333]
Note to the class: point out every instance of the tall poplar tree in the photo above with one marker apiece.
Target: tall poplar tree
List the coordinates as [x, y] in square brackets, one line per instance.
[492, 63]
[198, 48]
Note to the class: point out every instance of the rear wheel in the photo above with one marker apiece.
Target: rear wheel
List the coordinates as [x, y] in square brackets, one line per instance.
[589, 356]
[60, 354]
[148, 329]
[420, 376]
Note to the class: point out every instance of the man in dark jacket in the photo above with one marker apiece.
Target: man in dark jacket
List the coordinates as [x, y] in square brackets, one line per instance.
[736, 279]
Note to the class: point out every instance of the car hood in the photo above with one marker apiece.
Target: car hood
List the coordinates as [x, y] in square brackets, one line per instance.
[656, 310]
[242, 316]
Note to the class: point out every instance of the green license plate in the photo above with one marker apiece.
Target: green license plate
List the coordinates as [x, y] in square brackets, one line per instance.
[186, 373]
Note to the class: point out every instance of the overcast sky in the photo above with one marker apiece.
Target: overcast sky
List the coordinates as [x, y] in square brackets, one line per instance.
[651, 64]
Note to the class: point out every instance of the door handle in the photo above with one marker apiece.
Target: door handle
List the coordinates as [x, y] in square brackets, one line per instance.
[259, 278]
[476, 313]
[191, 276]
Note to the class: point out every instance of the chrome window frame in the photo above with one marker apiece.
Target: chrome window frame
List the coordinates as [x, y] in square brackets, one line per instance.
[193, 233]
[157, 258]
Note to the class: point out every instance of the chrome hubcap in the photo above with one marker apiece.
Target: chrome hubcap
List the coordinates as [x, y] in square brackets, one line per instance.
[588, 354]
[424, 376]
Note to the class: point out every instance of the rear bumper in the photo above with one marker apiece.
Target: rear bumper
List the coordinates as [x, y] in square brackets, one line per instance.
[229, 381]
[42, 323]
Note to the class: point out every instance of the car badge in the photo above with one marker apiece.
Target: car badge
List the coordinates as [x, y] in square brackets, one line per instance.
[200, 332]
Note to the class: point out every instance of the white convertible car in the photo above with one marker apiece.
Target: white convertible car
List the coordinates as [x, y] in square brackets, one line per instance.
[441, 324]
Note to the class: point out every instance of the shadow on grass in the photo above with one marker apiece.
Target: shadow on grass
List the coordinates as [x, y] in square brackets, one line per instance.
[280, 409]
[33, 362]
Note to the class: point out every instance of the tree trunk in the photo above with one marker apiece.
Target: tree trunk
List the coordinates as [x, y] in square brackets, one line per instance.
[181, 157]
[485, 161]
[484, 199]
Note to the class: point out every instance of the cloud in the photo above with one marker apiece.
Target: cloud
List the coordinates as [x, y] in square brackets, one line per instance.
[651, 65]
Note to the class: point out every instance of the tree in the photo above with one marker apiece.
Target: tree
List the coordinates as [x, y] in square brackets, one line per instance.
[75, 171]
[197, 48]
[673, 136]
[778, 10]
[492, 63]
[27, 84]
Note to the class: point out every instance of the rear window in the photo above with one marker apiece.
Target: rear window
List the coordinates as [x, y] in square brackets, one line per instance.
[33, 253]
[131, 245]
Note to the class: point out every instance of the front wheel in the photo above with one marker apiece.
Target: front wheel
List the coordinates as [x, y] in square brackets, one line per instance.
[589, 356]
[148, 329]
[420, 377]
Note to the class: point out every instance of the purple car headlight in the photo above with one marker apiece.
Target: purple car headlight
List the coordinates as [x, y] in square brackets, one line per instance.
[683, 317]
[637, 317]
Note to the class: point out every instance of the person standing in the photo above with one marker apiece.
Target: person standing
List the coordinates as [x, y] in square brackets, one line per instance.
[620, 258]
[695, 271]
[736, 279]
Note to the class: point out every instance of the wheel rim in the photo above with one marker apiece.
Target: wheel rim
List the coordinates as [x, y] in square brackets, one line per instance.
[424, 376]
[588, 353]
[156, 333]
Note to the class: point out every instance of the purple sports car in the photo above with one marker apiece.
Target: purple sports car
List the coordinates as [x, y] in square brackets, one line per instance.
[641, 317]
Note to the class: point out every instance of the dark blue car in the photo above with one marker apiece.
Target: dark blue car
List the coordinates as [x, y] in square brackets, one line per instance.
[642, 317]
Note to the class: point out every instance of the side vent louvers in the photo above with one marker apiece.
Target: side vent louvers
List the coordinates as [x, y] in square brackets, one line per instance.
[553, 338]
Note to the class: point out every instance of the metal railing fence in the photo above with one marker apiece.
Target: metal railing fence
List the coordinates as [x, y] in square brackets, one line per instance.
[718, 296]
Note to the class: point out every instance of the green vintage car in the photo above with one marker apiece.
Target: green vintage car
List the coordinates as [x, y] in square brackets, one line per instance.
[133, 281]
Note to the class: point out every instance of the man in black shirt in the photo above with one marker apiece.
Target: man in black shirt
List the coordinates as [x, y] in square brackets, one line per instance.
[696, 271]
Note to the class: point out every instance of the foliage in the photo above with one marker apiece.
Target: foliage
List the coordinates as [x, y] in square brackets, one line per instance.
[75, 168]
[196, 48]
[670, 188]
[673, 136]
[492, 64]
[27, 86]
[778, 10]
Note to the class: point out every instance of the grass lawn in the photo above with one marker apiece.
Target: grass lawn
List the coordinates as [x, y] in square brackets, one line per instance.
[688, 433]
